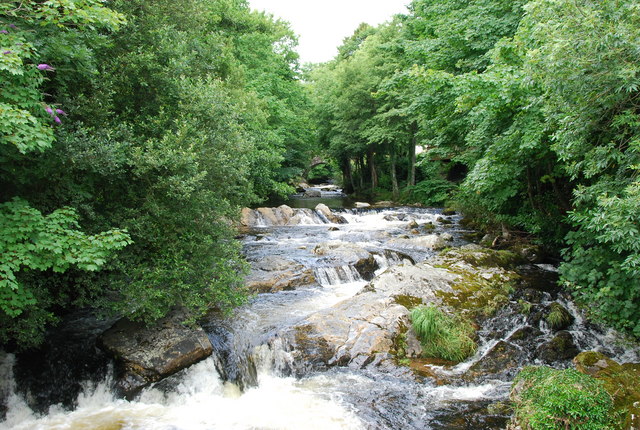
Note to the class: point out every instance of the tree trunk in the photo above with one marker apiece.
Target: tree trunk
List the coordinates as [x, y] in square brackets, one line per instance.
[372, 169]
[394, 178]
[361, 172]
[411, 180]
[347, 177]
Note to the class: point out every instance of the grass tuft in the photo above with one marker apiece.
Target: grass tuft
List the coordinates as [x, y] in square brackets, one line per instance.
[443, 336]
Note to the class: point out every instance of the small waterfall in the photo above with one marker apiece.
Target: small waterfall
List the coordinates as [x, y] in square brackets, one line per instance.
[337, 275]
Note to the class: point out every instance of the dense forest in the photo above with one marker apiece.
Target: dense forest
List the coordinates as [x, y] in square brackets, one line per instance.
[132, 132]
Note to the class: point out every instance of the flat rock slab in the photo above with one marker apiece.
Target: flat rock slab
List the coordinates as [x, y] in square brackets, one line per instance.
[147, 354]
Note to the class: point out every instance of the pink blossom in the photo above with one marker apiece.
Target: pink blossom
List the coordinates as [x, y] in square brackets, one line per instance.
[7, 52]
[49, 110]
[44, 67]
[56, 119]
[61, 112]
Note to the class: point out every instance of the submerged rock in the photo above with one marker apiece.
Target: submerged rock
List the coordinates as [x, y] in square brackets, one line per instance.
[148, 354]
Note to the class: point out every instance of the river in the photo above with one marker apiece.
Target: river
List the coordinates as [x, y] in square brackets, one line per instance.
[252, 380]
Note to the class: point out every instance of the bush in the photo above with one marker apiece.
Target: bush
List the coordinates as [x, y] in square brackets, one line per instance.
[549, 399]
[442, 335]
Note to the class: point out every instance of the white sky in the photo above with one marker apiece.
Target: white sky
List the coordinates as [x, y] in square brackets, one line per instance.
[323, 24]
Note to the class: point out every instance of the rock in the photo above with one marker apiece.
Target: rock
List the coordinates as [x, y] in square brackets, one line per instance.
[384, 204]
[311, 193]
[272, 263]
[413, 224]
[622, 382]
[502, 360]
[273, 282]
[421, 280]
[558, 317]
[333, 229]
[361, 205]
[446, 237]
[444, 221]
[352, 333]
[448, 212]
[302, 187]
[415, 231]
[430, 241]
[343, 252]
[366, 267]
[324, 210]
[148, 354]
[329, 215]
[560, 348]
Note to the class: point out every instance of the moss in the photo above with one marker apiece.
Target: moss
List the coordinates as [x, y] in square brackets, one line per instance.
[549, 399]
[407, 301]
[474, 295]
[622, 382]
[484, 257]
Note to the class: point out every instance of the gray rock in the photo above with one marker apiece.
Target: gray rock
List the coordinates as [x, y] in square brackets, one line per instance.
[313, 193]
[148, 354]
[362, 205]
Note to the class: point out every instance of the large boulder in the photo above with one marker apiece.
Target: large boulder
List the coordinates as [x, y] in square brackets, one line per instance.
[146, 354]
[352, 333]
[274, 273]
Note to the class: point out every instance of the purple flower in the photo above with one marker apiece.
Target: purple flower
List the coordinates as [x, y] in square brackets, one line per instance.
[6, 52]
[44, 67]
[60, 112]
[4, 32]
[56, 119]
[49, 110]
[13, 26]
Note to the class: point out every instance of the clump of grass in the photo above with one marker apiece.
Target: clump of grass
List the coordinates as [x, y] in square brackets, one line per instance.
[525, 307]
[558, 317]
[443, 336]
[549, 399]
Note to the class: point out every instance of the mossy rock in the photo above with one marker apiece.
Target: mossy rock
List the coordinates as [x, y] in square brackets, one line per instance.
[484, 257]
[561, 347]
[622, 382]
[478, 294]
[558, 317]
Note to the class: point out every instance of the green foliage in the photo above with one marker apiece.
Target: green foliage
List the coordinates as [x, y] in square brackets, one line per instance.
[443, 336]
[173, 120]
[30, 240]
[549, 399]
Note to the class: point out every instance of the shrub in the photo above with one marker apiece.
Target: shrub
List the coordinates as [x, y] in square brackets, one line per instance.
[441, 335]
[549, 399]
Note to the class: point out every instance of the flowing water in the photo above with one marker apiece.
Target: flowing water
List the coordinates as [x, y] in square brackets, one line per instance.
[250, 382]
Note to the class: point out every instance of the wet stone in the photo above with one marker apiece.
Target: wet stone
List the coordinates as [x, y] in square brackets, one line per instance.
[561, 347]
